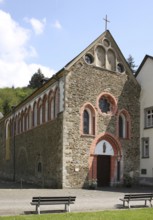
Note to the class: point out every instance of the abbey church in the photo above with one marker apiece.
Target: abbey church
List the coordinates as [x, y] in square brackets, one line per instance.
[82, 125]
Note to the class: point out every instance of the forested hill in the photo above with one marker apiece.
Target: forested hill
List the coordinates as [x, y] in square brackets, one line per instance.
[11, 97]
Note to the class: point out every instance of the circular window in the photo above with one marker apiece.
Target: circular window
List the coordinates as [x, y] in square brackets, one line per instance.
[107, 104]
[89, 58]
[104, 104]
[120, 68]
[106, 43]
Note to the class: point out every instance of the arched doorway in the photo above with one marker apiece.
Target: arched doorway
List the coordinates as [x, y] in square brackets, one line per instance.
[105, 164]
[104, 152]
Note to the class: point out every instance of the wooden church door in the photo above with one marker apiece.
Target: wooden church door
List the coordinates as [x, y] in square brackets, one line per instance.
[103, 170]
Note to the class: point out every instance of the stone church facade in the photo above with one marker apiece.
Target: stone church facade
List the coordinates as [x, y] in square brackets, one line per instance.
[82, 125]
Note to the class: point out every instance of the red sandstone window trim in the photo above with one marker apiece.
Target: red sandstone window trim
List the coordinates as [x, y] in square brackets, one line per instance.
[111, 99]
[92, 120]
[127, 124]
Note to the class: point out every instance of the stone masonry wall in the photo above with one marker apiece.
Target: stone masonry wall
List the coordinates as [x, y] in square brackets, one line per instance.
[84, 83]
[40, 145]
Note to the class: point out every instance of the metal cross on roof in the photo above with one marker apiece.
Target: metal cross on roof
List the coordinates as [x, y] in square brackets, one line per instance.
[106, 21]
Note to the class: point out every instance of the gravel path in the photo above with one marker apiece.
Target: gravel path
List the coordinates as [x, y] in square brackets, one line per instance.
[15, 201]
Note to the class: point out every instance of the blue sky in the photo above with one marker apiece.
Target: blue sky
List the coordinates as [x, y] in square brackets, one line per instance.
[47, 34]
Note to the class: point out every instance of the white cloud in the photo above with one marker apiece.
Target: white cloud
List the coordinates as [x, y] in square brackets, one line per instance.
[57, 25]
[14, 39]
[18, 74]
[37, 25]
[15, 49]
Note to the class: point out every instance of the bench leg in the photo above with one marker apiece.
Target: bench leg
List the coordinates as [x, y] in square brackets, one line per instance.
[128, 204]
[150, 203]
[38, 209]
[67, 208]
[145, 202]
[123, 203]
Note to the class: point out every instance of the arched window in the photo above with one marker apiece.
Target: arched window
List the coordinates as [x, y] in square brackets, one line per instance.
[100, 56]
[8, 131]
[40, 112]
[111, 60]
[22, 121]
[85, 122]
[19, 123]
[88, 120]
[8, 143]
[124, 125]
[29, 118]
[26, 120]
[52, 113]
[35, 114]
[50, 105]
[16, 124]
[45, 109]
[56, 103]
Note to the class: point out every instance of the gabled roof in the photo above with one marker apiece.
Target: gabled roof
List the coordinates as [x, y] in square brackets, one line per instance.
[106, 34]
[142, 63]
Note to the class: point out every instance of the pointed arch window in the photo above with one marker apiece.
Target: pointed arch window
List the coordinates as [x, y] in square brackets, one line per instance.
[124, 125]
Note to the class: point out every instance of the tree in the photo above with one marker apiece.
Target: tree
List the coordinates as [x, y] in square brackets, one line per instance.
[12, 97]
[36, 80]
[6, 107]
[131, 62]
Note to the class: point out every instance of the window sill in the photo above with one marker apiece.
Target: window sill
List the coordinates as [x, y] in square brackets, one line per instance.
[124, 139]
[88, 135]
[148, 127]
[145, 157]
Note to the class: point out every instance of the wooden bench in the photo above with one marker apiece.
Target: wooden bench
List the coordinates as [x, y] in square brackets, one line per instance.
[66, 200]
[137, 197]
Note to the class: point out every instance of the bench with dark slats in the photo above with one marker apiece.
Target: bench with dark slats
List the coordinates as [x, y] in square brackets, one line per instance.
[137, 197]
[66, 200]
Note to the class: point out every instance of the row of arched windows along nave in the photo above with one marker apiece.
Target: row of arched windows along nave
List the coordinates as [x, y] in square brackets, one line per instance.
[41, 111]
[47, 108]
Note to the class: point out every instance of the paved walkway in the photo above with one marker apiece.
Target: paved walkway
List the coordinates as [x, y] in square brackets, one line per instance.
[17, 201]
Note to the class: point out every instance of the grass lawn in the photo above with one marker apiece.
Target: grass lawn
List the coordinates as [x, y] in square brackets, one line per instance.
[135, 214]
